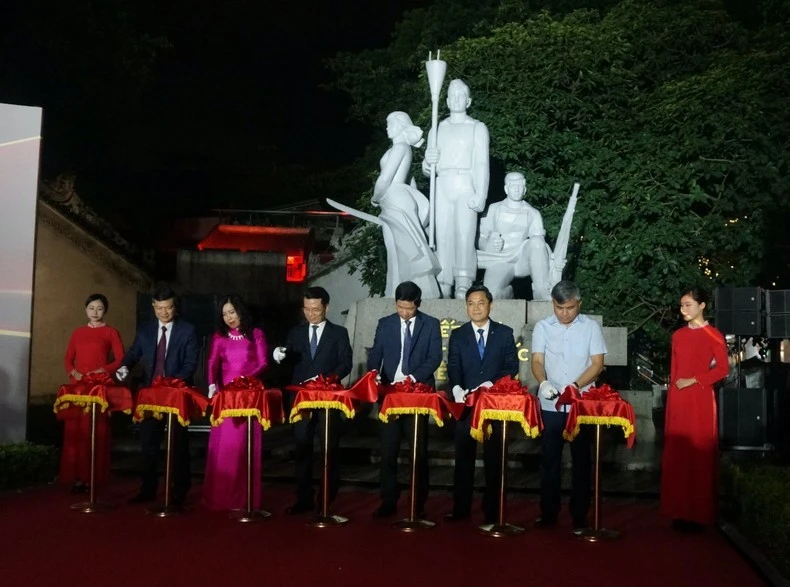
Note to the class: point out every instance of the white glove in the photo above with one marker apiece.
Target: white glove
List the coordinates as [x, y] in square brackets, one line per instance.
[279, 354]
[485, 385]
[212, 389]
[378, 377]
[459, 393]
[122, 373]
[547, 390]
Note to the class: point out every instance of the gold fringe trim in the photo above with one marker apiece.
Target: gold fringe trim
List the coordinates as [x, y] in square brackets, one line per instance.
[509, 415]
[241, 413]
[296, 411]
[624, 423]
[395, 412]
[158, 412]
[83, 401]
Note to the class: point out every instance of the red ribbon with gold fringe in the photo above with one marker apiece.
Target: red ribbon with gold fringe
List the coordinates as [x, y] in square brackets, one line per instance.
[95, 388]
[247, 396]
[170, 395]
[600, 405]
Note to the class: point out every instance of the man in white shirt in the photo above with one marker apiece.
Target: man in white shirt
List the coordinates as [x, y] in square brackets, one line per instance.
[567, 349]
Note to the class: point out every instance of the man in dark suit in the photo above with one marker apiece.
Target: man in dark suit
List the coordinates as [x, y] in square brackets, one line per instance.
[407, 344]
[316, 348]
[480, 352]
[168, 347]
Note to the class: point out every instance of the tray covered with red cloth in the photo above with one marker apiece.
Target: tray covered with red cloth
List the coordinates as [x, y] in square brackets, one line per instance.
[598, 405]
[170, 395]
[95, 388]
[327, 392]
[407, 397]
[247, 396]
[506, 400]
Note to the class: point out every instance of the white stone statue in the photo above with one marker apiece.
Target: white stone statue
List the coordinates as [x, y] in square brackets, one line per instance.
[404, 212]
[462, 173]
[513, 244]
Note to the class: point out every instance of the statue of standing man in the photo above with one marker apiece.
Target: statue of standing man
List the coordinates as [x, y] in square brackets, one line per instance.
[462, 173]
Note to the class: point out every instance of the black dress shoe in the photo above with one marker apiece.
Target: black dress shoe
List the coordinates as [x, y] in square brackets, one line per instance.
[545, 522]
[142, 498]
[579, 525]
[386, 510]
[80, 487]
[178, 500]
[456, 517]
[299, 508]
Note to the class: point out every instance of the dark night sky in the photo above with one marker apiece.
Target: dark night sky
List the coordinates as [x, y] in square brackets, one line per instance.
[237, 90]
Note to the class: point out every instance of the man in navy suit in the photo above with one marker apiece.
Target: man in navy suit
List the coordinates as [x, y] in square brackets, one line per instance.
[407, 344]
[480, 352]
[168, 347]
[318, 347]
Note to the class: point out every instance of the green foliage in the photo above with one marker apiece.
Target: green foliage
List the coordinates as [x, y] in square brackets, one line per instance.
[25, 464]
[671, 115]
[757, 504]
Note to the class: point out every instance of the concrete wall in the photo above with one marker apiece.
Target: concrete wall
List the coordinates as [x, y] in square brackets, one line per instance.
[344, 289]
[70, 265]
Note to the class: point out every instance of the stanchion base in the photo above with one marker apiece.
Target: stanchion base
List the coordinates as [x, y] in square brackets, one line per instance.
[501, 530]
[327, 521]
[92, 507]
[250, 515]
[165, 511]
[407, 525]
[593, 535]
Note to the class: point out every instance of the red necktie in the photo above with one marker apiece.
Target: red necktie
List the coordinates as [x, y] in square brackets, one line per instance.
[161, 351]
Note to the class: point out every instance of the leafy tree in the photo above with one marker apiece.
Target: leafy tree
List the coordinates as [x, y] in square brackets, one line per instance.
[672, 116]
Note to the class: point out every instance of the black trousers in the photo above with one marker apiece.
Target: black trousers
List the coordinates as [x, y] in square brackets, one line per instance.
[551, 445]
[464, 474]
[152, 431]
[391, 435]
[304, 432]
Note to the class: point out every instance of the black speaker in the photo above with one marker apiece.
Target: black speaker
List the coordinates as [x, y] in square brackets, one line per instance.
[739, 322]
[777, 301]
[738, 298]
[743, 418]
[777, 326]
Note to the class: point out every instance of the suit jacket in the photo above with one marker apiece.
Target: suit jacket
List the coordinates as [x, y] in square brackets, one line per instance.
[426, 348]
[333, 355]
[467, 369]
[181, 359]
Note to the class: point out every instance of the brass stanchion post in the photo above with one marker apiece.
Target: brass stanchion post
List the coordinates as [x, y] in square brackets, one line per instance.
[167, 510]
[92, 506]
[324, 519]
[596, 533]
[250, 515]
[502, 528]
[413, 523]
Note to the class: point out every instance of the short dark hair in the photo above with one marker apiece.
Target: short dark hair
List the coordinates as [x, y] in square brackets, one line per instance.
[162, 292]
[317, 293]
[97, 296]
[479, 287]
[565, 291]
[408, 291]
[698, 294]
[242, 311]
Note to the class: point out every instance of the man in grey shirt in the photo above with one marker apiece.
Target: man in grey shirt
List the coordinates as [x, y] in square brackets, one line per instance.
[567, 349]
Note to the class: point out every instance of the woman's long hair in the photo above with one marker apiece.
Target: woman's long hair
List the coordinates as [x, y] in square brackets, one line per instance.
[242, 311]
